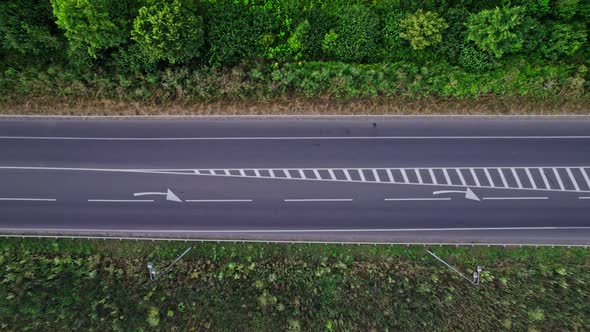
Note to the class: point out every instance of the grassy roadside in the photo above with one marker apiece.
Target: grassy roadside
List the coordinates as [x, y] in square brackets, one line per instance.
[298, 106]
[104, 285]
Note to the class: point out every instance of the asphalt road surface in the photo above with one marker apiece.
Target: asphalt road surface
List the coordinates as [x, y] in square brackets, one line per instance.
[381, 179]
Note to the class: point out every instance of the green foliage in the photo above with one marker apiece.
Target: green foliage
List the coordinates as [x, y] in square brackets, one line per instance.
[455, 36]
[50, 285]
[312, 39]
[358, 35]
[133, 59]
[169, 30]
[564, 40]
[475, 60]
[27, 27]
[185, 50]
[297, 40]
[422, 29]
[499, 31]
[238, 32]
[567, 9]
[394, 45]
[94, 25]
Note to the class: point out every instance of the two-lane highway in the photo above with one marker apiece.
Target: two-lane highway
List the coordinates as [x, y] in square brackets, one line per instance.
[384, 179]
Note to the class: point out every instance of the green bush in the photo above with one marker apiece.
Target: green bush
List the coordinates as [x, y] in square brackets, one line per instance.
[169, 30]
[455, 36]
[395, 46]
[564, 40]
[358, 35]
[95, 25]
[28, 27]
[312, 39]
[475, 60]
[297, 39]
[133, 59]
[422, 29]
[567, 9]
[238, 32]
[499, 31]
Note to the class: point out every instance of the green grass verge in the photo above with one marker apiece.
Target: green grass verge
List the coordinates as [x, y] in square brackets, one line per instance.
[104, 285]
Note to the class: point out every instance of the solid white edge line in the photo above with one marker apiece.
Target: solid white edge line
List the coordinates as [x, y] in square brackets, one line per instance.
[584, 197]
[418, 199]
[454, 244]
[216, 200]
[121, 200]
[514, 198]
[29, 199]
[257, 138]
[318, 200]
[448, 229]
[165, 172]
[191, 170]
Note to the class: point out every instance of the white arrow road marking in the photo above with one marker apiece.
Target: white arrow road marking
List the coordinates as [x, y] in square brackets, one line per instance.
[469, 194]
[170, 196]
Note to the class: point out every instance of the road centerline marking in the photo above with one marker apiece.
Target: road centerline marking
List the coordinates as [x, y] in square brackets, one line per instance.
[121, 200]
[318, 200]
[419, 199]
[513, 198]
[28, 199]
[217, 200]
[255, 138]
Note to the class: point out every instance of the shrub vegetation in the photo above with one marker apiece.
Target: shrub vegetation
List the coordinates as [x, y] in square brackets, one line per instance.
[137, 49]
[50, 285]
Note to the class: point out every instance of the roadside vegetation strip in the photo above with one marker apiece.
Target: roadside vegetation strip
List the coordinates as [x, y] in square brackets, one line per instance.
[104, 285]
[268, 50]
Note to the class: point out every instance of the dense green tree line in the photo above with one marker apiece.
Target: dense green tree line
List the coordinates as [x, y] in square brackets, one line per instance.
[127, 37]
